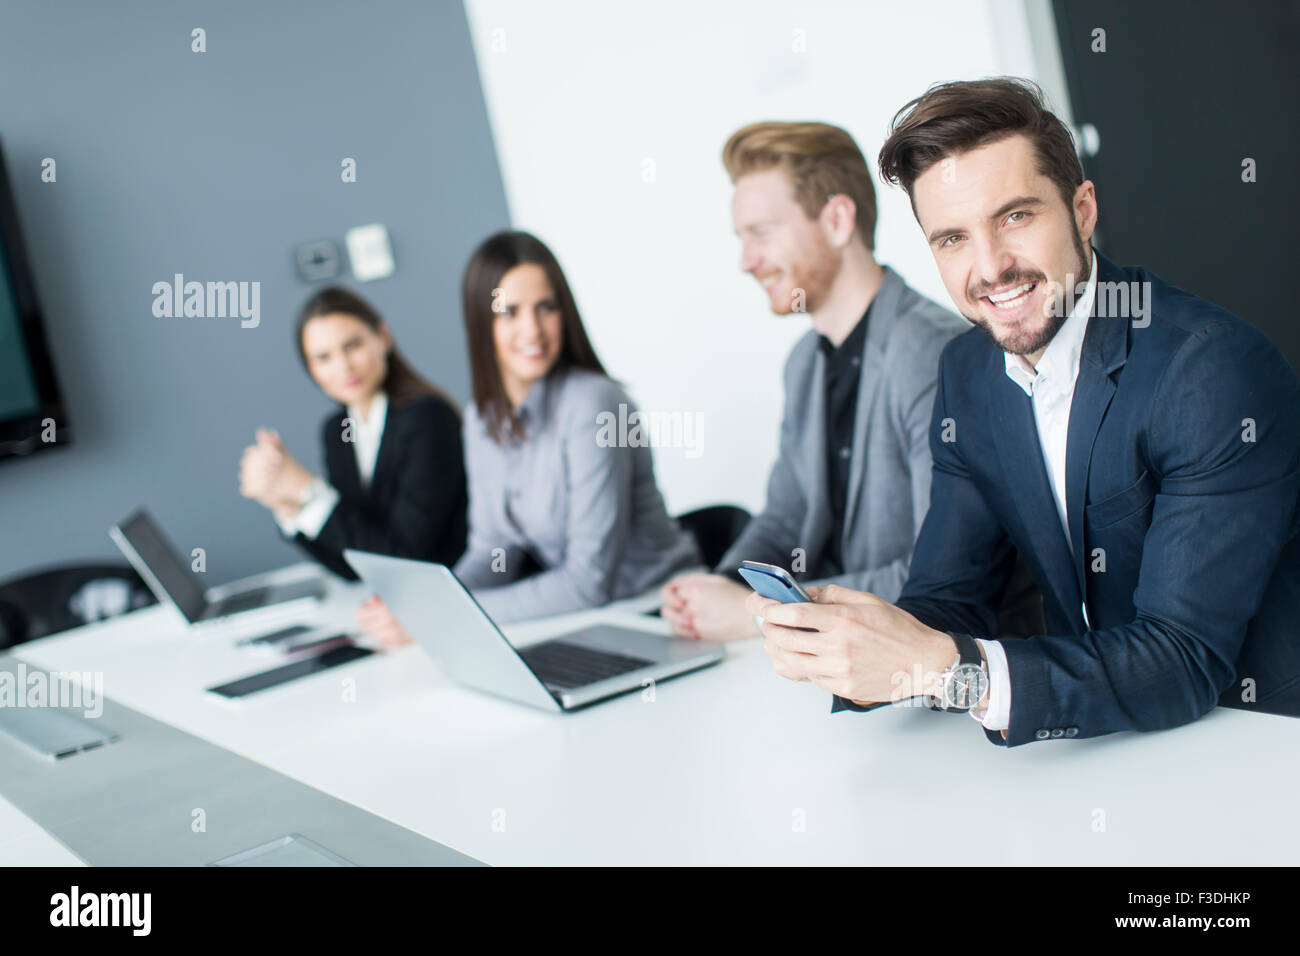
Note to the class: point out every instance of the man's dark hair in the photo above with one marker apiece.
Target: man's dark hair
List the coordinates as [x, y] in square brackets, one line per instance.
[952, 118]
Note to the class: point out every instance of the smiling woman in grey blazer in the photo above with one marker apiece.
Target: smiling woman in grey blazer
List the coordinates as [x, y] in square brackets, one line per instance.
[560, 518]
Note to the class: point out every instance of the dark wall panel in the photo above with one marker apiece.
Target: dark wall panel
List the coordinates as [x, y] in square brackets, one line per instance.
[1184, 92]
[216, 165]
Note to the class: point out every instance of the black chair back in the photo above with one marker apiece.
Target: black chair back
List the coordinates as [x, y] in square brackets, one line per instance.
[56, 599]
[715, 529]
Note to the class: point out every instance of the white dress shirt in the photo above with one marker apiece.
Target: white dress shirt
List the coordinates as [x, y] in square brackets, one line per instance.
[366, 436]
[1050, 387]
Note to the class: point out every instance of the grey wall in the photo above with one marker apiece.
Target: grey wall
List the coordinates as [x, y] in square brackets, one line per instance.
[216, 165]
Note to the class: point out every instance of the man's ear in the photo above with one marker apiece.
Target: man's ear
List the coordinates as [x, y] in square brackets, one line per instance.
[839, 218]
[1085, 209]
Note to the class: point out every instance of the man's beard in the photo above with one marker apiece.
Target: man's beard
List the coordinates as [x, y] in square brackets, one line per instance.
[1029, 341]
[814, 274]
[1023, 341]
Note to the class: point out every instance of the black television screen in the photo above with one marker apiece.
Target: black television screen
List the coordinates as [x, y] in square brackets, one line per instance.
[31, 410]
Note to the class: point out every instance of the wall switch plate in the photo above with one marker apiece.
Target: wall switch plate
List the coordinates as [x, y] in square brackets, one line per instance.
[370, 252]
[318, 260]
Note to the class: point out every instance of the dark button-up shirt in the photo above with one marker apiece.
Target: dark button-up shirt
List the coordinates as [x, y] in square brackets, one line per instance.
[843, 373]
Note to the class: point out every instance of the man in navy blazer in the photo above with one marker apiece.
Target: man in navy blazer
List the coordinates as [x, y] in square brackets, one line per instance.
[1138, 445]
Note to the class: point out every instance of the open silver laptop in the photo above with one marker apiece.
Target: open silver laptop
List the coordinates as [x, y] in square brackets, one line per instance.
[563, 673]
[169, 578]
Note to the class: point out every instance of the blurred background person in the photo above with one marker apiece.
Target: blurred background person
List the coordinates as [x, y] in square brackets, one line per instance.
[395, 474]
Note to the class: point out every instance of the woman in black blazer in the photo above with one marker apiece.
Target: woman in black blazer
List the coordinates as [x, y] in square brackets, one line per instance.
[395, 466]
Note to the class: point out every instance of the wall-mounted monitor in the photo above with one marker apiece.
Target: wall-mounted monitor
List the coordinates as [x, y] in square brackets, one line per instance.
[32, 417]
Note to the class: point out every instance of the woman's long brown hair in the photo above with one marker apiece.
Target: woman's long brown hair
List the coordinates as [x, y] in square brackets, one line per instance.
[494, 257]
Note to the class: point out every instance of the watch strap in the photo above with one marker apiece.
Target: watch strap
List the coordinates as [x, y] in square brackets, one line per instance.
[968, 651]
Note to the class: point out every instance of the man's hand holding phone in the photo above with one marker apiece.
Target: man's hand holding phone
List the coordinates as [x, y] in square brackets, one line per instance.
[853, 644]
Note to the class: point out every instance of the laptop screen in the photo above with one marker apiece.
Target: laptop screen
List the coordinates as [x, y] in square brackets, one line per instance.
[165, 563]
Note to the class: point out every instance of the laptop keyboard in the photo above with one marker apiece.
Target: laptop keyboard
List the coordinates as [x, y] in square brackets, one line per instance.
[561, 665]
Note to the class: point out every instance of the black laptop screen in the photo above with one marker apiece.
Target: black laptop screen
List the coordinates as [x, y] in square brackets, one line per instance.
[164, 561]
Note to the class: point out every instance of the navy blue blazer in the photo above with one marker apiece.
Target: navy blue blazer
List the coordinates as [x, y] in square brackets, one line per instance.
[1182, 477]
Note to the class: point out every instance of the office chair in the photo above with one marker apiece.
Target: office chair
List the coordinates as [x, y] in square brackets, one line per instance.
[714, 528]
[56, 599]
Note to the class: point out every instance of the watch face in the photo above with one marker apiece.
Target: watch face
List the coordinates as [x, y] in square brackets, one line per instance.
[966, 687]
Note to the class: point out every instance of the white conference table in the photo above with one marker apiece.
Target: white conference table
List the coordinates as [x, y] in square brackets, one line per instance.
[730, 765]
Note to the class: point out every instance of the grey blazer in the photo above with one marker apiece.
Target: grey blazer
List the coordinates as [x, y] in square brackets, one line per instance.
[587, 510]
[889, 482]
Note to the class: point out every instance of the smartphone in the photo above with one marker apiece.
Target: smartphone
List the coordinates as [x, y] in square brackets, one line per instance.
[316, 643]
[301, 668]
[773, 582]
[264, 640]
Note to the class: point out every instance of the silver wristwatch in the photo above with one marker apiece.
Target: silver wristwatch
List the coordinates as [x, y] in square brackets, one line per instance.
[965, 684]
[310, 491]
